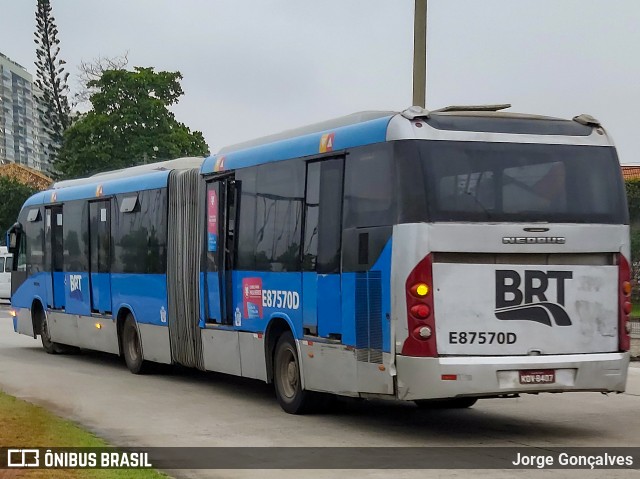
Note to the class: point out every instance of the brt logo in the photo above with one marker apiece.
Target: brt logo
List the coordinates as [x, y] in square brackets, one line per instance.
[75, 285]
[525, 298]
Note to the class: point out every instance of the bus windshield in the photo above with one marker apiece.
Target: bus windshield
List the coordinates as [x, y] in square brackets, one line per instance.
[508, 182]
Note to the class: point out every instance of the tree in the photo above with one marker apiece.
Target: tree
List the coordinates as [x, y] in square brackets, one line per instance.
[89, 71]
[130, 124]
[633, 199]
[13, 194]
[51, 78]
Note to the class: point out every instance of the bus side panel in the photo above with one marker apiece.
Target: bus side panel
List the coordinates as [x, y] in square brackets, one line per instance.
[101, 292]
[260, 295]
[58, 292]
[33, 287]
[366, 305]
[214, 312]
[366, 313]
[329, 319]
[146, 295]
[77, 293]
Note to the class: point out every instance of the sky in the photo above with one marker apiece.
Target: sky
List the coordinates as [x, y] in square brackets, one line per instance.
[257, 67]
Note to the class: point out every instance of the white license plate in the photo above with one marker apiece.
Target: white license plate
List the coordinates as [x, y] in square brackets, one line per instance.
[543, 376]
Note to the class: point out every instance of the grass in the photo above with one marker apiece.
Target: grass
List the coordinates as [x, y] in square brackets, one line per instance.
[635, 311]
[25, 425]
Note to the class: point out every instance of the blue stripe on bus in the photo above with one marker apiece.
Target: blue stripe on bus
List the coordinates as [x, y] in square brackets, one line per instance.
[365, 133]
[149, 181]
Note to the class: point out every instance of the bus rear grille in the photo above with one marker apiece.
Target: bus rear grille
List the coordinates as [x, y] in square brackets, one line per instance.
[369, 317]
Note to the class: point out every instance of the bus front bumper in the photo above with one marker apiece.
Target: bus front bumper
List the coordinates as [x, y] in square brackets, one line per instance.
[448, 377]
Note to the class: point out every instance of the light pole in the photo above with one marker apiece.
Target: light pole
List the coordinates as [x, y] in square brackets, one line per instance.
[420, 54]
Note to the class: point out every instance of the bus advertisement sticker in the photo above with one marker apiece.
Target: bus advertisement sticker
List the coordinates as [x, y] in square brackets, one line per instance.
[252, 297]
[212, 221]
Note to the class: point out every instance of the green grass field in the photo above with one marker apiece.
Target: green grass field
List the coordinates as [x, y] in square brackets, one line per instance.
[24, 425]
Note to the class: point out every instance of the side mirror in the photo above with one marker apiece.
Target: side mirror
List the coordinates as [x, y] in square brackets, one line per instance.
[13, 239]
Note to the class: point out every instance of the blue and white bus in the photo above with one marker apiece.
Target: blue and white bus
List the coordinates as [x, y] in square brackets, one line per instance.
[438, 257]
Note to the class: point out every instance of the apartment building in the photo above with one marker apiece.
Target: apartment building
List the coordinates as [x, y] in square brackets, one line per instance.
[23, 139]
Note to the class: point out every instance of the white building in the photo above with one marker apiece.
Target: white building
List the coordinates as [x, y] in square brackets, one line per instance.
[23, 139]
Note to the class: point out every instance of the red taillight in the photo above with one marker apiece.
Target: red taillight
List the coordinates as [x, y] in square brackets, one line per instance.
[624, 305]
[420, 311]
[420, 314]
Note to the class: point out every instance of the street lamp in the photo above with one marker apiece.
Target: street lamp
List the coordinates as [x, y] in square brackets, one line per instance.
[420, 54]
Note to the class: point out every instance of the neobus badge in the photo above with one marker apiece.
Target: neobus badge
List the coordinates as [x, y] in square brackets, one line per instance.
[534, 240]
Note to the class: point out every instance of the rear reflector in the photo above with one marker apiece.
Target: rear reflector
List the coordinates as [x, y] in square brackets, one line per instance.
[449, 377]
[624, 306]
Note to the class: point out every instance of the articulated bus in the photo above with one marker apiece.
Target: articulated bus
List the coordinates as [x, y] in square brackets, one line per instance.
[437, 257]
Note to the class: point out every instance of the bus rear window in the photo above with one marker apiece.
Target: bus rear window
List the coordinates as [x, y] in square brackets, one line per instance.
[474, 181]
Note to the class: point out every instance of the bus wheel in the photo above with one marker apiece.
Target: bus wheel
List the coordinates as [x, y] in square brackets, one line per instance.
[132, 347]
[45, 335]
[453, 403]
[286, 376]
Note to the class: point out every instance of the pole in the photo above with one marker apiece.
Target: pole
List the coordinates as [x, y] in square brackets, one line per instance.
[420, 54]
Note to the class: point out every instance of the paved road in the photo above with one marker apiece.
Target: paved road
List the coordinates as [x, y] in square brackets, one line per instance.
[190, 408]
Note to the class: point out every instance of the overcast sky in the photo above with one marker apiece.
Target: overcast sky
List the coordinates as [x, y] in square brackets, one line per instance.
[256, 67]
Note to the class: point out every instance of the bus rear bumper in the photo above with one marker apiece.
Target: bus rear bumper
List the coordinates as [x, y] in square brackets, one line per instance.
[448, 377]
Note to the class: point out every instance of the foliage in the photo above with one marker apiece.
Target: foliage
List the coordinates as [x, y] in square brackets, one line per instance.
[51, 78]
[13, 194]
[130, 124]
[633, 199]
[24, 424]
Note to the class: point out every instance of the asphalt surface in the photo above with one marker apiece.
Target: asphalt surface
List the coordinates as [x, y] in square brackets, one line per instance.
[178, 407]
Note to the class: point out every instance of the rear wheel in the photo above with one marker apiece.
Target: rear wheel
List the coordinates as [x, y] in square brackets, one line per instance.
[286, 376]
[454, 403]
[132, 347]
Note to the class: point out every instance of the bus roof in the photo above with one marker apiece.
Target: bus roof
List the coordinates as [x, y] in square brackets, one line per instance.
[349, 131]
[370, 127]
[136, 178]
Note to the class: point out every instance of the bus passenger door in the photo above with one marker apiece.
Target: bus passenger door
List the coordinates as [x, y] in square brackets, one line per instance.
[321, 283]
[220, 244]
[100, 256]
[54, 257]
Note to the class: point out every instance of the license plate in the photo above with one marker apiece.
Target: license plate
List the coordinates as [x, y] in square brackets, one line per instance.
[544, 376]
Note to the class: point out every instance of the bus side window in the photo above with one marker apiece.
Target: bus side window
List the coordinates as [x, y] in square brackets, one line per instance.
[323, 212]
[330, 224]
[280, 201]
[9, 264]
[312, 209]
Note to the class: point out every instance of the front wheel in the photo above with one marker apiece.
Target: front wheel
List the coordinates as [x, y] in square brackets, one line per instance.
[132, 347]
[286, 376]
[45, 336]
[453, 403]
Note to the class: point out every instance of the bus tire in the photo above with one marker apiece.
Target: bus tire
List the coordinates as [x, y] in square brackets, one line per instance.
[286, 377]
[132, 347]
[45, 336]
[453, 403]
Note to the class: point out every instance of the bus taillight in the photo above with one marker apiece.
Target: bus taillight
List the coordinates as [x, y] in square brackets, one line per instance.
[624, 308]
[420, 313]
